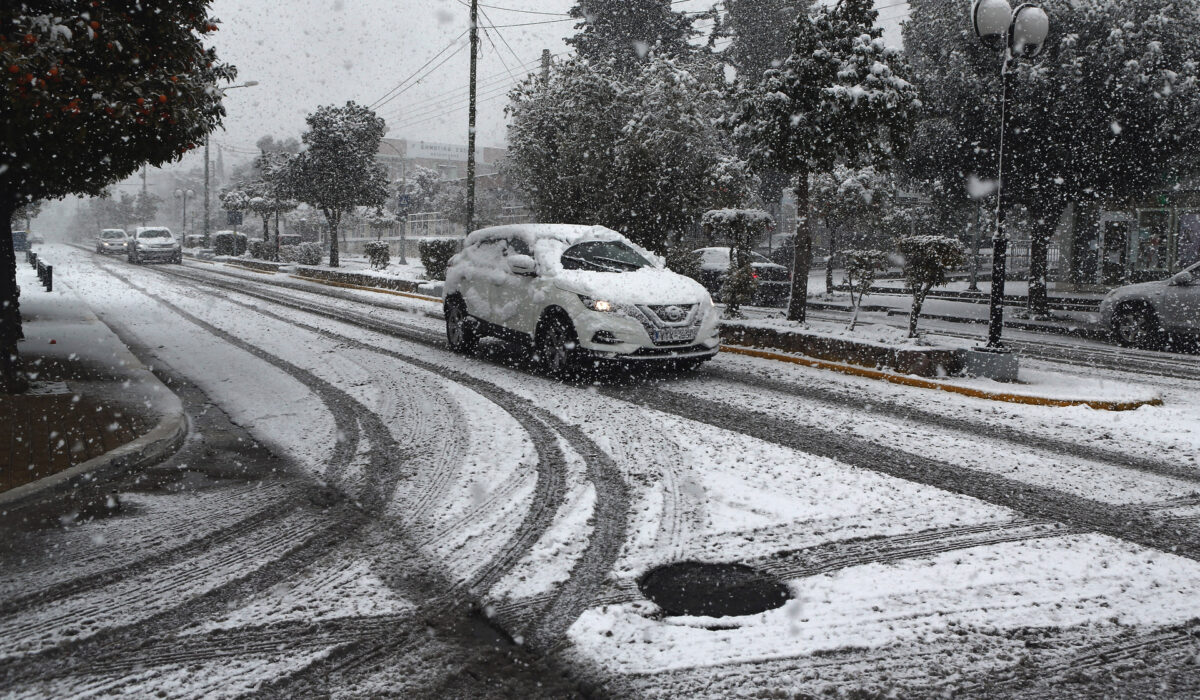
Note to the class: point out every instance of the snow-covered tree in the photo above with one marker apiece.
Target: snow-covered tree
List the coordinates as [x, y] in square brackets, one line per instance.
[839, 97]
[91, 92]
[416, 191]
[740, 228]
[927, 259]
[337, 171]
[638, 152]
[1109, 111]
[145, 208]
[762, 35]
[622, 33]
[852, 203]
[862, 264]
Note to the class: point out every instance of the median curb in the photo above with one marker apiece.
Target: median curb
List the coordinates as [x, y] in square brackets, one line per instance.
[380, 290]
[163, 440]
[930, 384]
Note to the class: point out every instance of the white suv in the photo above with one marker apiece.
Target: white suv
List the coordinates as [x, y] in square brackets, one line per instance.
[580, 295]
[154, 243]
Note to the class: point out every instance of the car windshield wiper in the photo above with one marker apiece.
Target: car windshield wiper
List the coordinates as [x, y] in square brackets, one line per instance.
[624, 263]
[591, 264]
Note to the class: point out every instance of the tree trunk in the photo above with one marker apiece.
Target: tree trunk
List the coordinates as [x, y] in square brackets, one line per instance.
[267, 235]
[333, 218]
[1039, 253]
[802, 260]
[274, 257]
[918, 302]
[829, 261]
[12, 378]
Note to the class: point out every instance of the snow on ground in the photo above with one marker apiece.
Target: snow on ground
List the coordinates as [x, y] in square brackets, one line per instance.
[696, 492]
[1171, 431]
[1056, 582]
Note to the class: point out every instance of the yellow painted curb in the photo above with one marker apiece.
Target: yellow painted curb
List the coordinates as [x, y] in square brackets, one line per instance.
[346, 285]
[252, 269]
[929, 384]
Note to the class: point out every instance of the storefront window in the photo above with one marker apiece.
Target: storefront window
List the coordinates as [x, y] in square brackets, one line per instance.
[1189, 239]
[1150, 245]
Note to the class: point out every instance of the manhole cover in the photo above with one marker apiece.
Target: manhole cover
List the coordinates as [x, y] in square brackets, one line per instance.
[712, 590]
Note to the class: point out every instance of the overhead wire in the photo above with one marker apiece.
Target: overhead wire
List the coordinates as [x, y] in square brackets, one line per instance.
[388, 96]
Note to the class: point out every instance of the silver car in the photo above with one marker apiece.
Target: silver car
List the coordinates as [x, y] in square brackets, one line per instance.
[149, 243]
[1150, 314]
[112, 241]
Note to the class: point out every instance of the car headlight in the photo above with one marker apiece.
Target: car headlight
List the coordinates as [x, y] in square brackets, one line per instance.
[600, 305]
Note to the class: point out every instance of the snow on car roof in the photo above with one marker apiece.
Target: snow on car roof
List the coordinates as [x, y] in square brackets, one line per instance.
[530, 233]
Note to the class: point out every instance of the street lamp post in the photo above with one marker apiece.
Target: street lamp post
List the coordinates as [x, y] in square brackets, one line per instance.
[184, 194]
[207, 196]
[1021, 34]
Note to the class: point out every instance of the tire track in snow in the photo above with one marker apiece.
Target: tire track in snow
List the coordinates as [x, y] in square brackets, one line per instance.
[1126, 523]
[608, 532]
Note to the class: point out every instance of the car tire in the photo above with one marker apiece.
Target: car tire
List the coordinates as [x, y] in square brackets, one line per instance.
[462, 332]
[1137, 326]
[555, 346]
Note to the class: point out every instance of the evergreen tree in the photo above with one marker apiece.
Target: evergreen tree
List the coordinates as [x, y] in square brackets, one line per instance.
[624, 32]
[839, 97]
[91, 92]
[762, 34]
[640, 152]
[337, 171]
[145, 208]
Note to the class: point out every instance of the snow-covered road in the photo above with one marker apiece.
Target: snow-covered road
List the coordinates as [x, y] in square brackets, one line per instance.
[930, 542]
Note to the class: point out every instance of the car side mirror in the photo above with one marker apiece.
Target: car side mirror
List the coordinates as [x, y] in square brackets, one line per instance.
[1183, 279]
[522, 265]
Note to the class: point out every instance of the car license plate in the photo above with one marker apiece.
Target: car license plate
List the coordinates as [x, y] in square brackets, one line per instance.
[675, 335]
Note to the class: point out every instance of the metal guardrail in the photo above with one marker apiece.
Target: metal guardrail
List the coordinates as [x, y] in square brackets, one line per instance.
[45, 272]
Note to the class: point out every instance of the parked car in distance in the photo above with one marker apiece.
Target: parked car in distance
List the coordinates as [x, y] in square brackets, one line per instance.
[580, 296]
[1150, 314]
[774, 281]
[20, 241]
[112, 240]
[150, 243]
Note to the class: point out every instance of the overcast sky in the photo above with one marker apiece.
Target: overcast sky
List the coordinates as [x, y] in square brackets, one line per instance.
[306, 53]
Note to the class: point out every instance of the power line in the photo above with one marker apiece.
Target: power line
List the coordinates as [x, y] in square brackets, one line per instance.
[385, 99]
[488, 96]
[423, 77]
[513, 9]
[439, 100]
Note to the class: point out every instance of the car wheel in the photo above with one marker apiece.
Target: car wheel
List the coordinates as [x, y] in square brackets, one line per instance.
[556, 342]
[1137, 327]
[462, 334]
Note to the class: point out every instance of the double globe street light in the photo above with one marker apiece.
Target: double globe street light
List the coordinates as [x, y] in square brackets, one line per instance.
[1021, 33]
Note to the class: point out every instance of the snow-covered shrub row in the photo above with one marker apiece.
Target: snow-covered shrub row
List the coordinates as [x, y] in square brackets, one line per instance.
[309, 253]
[435, 256]
[229, 243]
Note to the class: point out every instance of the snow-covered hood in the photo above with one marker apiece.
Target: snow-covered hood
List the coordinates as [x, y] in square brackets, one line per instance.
[649, 285]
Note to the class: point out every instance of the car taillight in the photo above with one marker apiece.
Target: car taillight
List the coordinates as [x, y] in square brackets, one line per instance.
[754, 275]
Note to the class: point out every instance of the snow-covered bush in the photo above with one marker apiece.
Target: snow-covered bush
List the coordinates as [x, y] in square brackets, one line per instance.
[740, 228]
[229, 243]
[927, 259]
[435, 256]
[258, 249]
[861, 266]
[309, 253]
[289, 253]
[379, 254]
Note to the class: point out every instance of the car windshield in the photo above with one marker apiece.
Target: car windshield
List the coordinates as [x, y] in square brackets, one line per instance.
[155, 233]
[112, 234]
[603, 256]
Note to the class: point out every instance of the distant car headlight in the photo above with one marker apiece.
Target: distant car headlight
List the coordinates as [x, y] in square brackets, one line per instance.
[600, 305]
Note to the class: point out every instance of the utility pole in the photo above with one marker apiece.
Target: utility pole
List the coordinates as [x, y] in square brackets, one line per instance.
[471, 127]
[545, 66]
[143, 207]
[206, 195]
